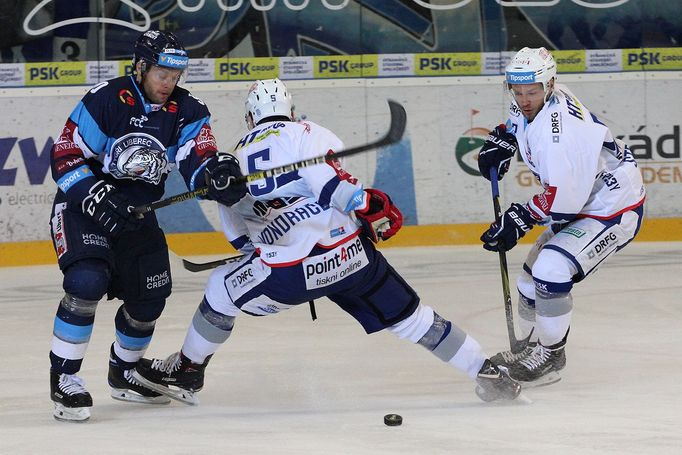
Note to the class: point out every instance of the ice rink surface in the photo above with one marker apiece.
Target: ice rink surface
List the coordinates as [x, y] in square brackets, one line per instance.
[286, 385]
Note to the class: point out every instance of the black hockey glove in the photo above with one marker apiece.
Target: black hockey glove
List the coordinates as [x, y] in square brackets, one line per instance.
[497, 152]
[515, 222]
[381, 219]
[110, 209]
[221, 172]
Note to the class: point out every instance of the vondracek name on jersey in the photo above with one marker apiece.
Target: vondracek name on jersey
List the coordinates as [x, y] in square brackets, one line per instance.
[288, 215]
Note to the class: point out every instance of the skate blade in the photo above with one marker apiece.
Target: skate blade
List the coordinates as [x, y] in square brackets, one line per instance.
[75, 415]
[523, 399]
[548, 379]
[132, 397]
[176, 393]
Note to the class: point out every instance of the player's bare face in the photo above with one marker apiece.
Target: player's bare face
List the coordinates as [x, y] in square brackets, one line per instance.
[530, 98]
[159, 83]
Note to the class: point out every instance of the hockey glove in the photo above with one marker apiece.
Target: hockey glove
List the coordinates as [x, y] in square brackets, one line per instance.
[220, 172]
[497, 152]
[380, 219]
[110, 209]
[513, 225]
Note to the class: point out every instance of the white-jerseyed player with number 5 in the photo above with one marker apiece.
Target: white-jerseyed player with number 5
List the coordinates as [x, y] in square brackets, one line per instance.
[309, 234]
[592, 200]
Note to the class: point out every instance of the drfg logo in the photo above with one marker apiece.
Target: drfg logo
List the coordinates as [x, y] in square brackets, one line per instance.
[242, 277]
[556, 122]
[603, 245]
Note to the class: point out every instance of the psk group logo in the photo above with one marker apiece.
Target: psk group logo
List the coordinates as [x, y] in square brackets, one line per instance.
[336, 66]
[467, 147]
[55, 73]
[241, 69]
[652, 59]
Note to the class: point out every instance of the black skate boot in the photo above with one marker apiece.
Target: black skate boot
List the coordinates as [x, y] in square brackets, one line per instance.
[124, 387]
[71, 401]
[176, 376]
[506, 358]
[541, 366]
[494, 384]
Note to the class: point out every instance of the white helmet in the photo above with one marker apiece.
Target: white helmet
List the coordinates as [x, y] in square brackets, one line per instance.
[530, 66]
[268, 98]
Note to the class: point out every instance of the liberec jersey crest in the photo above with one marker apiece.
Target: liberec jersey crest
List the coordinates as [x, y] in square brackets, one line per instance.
[138, 156]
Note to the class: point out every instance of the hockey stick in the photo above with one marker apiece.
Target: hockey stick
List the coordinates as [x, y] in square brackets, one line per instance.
[515, 345]
[201, 266]
[394, 134]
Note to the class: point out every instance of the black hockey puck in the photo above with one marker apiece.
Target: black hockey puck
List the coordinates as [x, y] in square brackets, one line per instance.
[393, 420]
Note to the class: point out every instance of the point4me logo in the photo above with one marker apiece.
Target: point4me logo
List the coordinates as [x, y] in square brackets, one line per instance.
[467, 147]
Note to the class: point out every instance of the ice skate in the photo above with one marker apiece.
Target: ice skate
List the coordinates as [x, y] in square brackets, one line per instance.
[125, 387]
[506, 358]
[541, 366]
[72, 401]
[176, 376]
[494, 384]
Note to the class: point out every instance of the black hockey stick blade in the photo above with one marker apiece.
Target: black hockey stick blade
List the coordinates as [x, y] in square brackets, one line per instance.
[515, 344]
[394, 134]
[201, 266]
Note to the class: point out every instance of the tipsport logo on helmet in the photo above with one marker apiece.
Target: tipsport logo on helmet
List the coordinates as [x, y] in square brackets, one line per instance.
[467, 147]
[521, 78]
[173, 61]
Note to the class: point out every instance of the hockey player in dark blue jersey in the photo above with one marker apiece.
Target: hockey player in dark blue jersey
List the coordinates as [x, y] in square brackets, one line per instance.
[115, 152]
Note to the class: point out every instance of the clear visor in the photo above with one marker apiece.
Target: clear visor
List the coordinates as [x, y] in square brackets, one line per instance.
[546, 90]
[162, 74]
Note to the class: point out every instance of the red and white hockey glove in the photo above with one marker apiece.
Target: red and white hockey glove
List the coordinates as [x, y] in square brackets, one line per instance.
[380, 219]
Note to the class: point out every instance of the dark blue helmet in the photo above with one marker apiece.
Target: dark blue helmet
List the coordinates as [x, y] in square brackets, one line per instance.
[160, 48]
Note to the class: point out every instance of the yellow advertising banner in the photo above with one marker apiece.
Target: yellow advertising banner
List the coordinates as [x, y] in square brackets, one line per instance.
[246, 69]
[55, 73]
[570, 61]
[337, 66]
[654, 58]
[465, 63]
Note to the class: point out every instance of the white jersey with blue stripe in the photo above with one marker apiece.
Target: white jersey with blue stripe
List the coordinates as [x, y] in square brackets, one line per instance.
[583, 169]
[285, 217]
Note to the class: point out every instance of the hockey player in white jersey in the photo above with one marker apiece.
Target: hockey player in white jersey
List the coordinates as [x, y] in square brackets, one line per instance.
[309, 234]
[592, 202]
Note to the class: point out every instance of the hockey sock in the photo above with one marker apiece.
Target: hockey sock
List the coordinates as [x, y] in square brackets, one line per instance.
[444, 339]
[132, 338]
[526, 321]
[553, 315]
[73, 326]
[208, 331]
